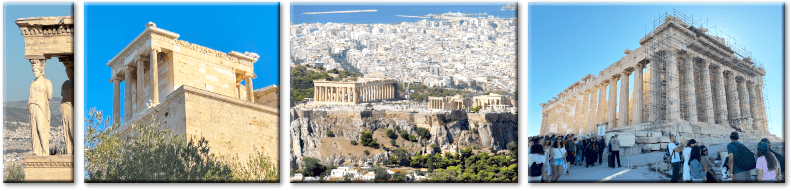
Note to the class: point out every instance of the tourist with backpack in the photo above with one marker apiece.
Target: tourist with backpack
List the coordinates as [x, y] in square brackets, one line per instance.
[537, 161]
[674, 158]
[741, 160]
[766, 164]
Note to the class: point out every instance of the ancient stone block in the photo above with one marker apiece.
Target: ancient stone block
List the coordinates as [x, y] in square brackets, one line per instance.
[654, 147]
[656, 134]
[50, 168]
[641, 134]
[663, 139]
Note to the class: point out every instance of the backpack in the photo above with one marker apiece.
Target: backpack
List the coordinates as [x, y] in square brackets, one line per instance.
[571, 147]
[743, 158]
[535, 169]
[668, 158]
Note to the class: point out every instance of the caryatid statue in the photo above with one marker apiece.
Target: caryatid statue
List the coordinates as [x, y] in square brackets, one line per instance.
[38, 106]
[67, 105]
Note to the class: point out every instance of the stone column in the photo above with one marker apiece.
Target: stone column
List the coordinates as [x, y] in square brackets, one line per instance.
[654, 107]
[722, 111]
[733, 100]
[116, 100]
[623, 117]
[154, 78]
[140, 85]
[637, 94]
[577, 113]
[689, 78]
[764, 123]
[674, 109]
[585, 112]
[250, 94]
[592, 114]
[602, 112]
[707, 95]
[128, 93]
[752, 88]
[744, 102]
[613, 101]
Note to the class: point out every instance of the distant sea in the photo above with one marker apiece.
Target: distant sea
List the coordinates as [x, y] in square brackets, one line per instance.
[386, 13]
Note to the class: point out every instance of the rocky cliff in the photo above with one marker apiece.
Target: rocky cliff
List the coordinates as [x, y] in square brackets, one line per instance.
[449, 130]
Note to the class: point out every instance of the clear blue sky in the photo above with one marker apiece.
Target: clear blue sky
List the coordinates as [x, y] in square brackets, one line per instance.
[226, 27]
[17, 71]
[568, 41]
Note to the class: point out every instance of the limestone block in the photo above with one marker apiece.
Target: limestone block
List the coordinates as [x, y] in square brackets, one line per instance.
[654, 147]
[645, 147]
[663, 139]
[627, 139]
[656, 134]
[647, 140]
[662, 145]
[641, 134]
[50, 168]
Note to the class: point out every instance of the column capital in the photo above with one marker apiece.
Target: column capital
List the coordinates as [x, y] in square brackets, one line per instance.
[627, 71]
[605, 82]
[616, 77]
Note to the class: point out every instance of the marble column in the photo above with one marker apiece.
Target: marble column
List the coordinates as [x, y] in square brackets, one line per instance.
[674, 109]
[654, 107]
[751, 88]
[140, 85]
[250, 94]
[154, 78]
[128, 93]
[623, 117]
[707, 95]
[722, 111]
[733, 100]
[613, 101]
[764, 123]
[637, 95]
[689, 78]
[585, 113]
[744, 102]
[602, 112]
[592, 112]
[116, 100]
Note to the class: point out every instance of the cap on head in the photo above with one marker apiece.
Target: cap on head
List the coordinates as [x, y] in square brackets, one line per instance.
[734, 135]
[692, 141]
[762, 146]
[765, 140]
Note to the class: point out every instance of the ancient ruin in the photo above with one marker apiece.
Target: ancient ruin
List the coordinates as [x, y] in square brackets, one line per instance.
[686, 81]
[194, 91]
[47, 37]
[353, 90]
[457, 102]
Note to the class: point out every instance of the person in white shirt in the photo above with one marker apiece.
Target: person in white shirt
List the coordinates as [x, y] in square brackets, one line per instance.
[687, 153]
[537, 157]
[675, 158]
[557, 154]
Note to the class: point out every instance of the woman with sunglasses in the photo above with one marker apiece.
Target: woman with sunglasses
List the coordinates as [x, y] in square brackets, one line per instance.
[706, 162]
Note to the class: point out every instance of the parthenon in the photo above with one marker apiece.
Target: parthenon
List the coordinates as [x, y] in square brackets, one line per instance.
[353, 90]
[685, 80]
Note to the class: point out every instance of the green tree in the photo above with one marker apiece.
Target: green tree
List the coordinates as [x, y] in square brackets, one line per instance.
[366, 139]
[393, 142]
[366, 152]
[354, 142]
[330, 134]
[412, 138]
[435, 148]
[258, 168]
[312, 167]
[380, 174]
[390, 133]
[152, 155]
[475, 109]
[398, 177]
[404, 134]
[424, 133]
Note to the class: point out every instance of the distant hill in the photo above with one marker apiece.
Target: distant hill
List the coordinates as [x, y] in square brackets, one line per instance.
[16, 111]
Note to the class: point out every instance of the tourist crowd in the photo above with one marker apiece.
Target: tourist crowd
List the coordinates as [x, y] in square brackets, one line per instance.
[550, 157]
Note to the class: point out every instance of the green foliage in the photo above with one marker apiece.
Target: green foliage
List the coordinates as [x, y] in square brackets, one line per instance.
[422, 92]
[312, 167]
[404, 134]
[366, 139]
[482, 167]
[16, 174]
[330, 134]
[390, 133]
[412, 138]
[321, 68]
[516, 94]
[424, 133]
[258, 168]
[475, 109]
[302, 82]
[393, 142]
[512, 149]
[398, 177]
[354, 142]
[402, 156]
[366, 152]
[380, 174]
[435, 148]
[152, 155]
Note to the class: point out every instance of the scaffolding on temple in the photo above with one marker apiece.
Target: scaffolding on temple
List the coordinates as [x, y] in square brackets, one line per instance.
[666, 75]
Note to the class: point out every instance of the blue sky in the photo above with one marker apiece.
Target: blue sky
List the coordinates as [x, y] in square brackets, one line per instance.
[568, 41]
[109, 27]
[17, 71]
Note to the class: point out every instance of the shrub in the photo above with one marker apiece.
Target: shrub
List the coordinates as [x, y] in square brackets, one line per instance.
[412, 138]
[404, 134]
[435, 148]
[391, 134]
[366, 152]
[312, 167]
[330, 134]
[475, 109]
[393, 142]
[16, 174]
[423, 132]
[366, 139]
[354, 142]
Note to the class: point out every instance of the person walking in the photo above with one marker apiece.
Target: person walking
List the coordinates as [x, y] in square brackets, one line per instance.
[600, 150]
[537, 161]
[571, 150]
[741, 160]
[547, 144]
[616, 145]
[687, 152]
[590, 153]
[778, 156]
[580, 151]
[557, 154]
[697, 172]
[766, 164]
[610, 162]
[675, 158]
